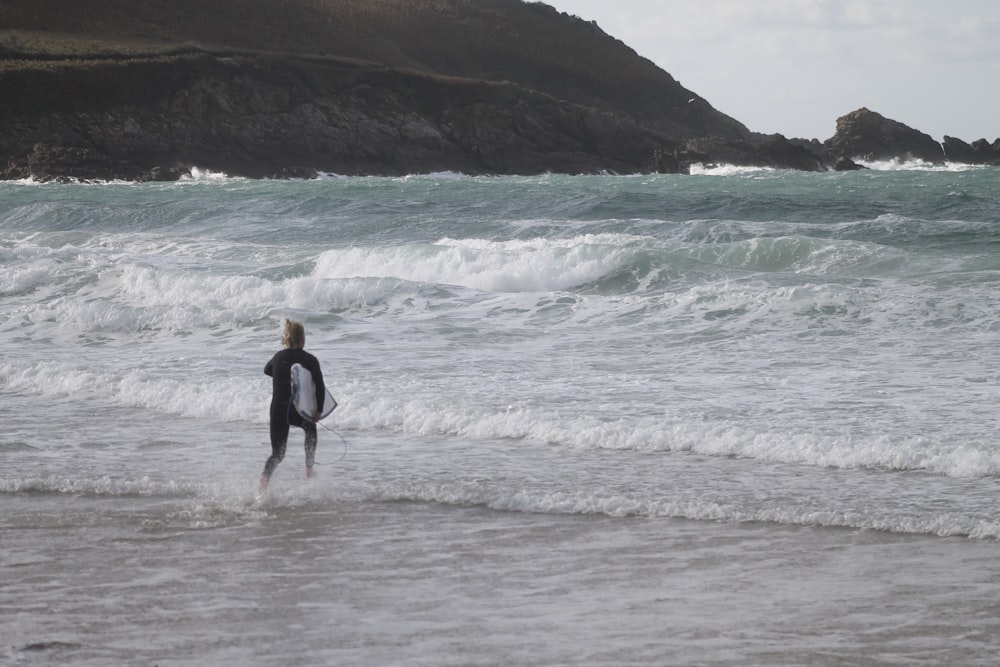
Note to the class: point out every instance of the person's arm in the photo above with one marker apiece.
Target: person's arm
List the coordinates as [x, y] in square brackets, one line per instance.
[269, 367]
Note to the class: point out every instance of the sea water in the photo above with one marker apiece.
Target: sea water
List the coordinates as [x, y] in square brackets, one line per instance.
[740, 417]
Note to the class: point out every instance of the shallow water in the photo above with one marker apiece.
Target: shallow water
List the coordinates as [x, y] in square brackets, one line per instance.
[740, 417]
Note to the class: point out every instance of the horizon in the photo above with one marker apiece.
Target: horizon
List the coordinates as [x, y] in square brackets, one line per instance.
[928, 65]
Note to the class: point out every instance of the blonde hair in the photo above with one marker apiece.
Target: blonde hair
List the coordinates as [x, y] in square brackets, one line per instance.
[295, 335]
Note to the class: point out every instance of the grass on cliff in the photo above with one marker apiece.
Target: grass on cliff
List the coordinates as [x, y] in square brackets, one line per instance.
[37, 49]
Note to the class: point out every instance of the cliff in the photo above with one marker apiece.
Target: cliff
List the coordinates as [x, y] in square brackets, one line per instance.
[118, 89]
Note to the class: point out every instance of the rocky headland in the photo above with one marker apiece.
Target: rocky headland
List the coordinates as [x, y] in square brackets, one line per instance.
[289, 88]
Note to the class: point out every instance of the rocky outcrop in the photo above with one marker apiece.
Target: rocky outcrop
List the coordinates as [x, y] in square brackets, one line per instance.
[870, 136]
[978, 152]
[759, 150]
[847, 164]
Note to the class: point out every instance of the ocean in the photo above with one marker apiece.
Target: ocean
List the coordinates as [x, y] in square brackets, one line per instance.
[741, 417]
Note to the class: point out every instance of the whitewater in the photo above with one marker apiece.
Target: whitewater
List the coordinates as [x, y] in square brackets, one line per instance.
[745, 416]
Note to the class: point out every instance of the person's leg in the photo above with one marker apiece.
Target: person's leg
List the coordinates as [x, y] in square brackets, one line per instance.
[279, 442]
[311, 440]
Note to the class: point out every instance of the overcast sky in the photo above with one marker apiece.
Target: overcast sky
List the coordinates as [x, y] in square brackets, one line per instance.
[795, 66]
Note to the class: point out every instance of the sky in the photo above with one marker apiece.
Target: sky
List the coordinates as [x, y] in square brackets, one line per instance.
[794, 66]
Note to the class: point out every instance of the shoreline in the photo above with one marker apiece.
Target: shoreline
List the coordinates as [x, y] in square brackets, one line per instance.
[195, 174]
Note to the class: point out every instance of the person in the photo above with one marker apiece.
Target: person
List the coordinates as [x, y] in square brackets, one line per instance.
[283, 413]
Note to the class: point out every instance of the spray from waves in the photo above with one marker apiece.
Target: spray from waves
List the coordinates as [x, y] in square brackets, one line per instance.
[195, 174]
[200, 174]
[699, 169]
[875, 165]
[916, 165]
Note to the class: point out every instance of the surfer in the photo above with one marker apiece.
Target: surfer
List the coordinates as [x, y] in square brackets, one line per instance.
[283, 414]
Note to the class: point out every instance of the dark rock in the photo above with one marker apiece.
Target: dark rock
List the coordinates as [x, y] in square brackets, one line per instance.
[847, 164]
[49, 163]
[301, 173]
[987, 153]
[870, 136]
[979, 152]
[956, 150]
[779, 151]
[166, 174]
[677, 161]
[758, 150]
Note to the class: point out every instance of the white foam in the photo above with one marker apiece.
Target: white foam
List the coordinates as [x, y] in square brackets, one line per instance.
[200, 174]
[914, 165]
[534, 265]
[699, 169]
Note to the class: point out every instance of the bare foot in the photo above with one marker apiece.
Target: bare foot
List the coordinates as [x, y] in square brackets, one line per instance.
[309, 472]
[262, 489]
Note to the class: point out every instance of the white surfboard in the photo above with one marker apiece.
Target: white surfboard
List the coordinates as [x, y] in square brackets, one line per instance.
[304, 394]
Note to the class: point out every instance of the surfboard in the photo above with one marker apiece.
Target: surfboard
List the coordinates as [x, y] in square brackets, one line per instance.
[304, 394]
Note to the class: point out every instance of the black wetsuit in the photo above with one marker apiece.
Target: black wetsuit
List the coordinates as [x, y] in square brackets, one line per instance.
[283, 414]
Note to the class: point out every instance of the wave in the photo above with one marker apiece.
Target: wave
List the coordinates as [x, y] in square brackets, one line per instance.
[197, 505]
[917, 165]
[699, 169]
[623, 262]
[675, 434]
[230, 398]
[424, 406]
[622, 505]
[105, 486]
[85, 283]
[200, 174]
[531, 265]
[151, 504]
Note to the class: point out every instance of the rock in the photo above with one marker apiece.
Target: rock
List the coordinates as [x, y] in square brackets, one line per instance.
[758, 150]
[956, 150]
[979, 152]
[48, 163]
[300, 173]
[166, 174]
[782, 152]
[847, 164]
[987, 153]
[677, 161]
[870, 136]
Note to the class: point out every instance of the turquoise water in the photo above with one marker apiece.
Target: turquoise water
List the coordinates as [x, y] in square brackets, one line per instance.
[583, 420]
